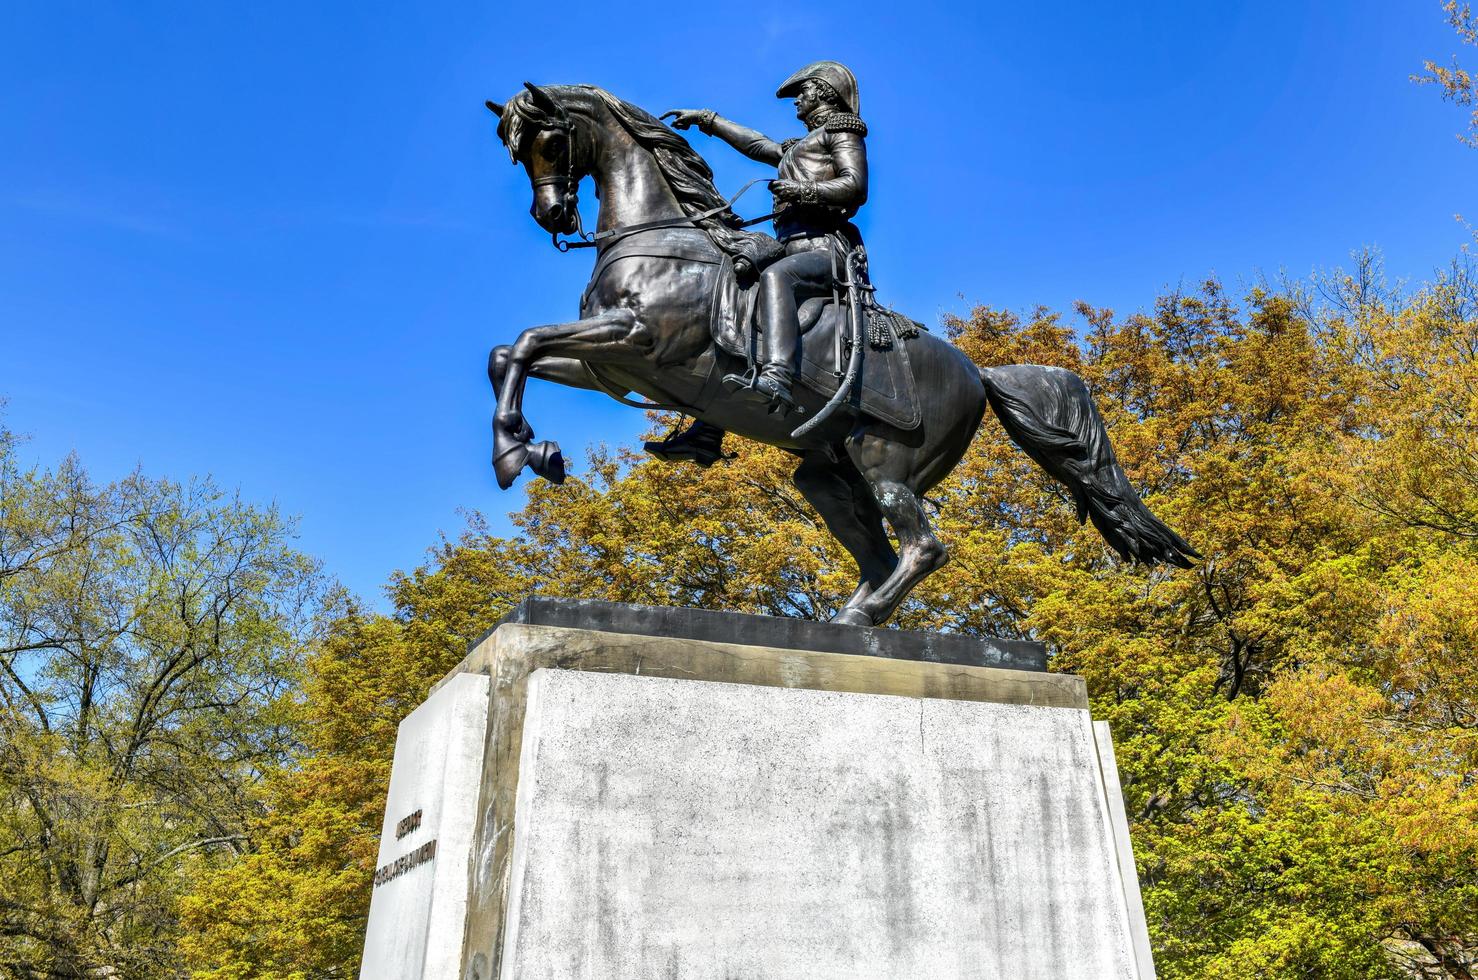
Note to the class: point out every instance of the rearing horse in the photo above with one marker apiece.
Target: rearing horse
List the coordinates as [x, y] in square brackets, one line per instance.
[645, 326]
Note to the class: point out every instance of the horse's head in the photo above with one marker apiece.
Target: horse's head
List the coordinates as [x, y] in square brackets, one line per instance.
[541, 135]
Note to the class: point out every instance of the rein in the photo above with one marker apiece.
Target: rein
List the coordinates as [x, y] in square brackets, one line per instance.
[586, 239]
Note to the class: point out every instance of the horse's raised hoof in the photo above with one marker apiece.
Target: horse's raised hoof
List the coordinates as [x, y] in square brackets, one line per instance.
[547, 461]
[509, 457]
[852, 617]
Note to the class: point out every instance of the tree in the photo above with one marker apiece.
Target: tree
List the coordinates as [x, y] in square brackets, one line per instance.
[1456, 82]
[294, 906]
[149, 634]
[1294, 719]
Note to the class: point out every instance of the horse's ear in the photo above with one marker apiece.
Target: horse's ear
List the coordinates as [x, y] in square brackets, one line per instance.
[544, 101]
[495, 108]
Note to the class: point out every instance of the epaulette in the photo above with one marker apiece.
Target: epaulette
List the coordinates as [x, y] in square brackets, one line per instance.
[845, 122]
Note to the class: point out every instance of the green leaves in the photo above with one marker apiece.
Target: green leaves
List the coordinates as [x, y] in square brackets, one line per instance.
[150, 635]
[1294, 719]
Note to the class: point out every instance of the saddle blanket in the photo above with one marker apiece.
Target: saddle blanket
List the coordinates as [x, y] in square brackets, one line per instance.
[885, 389]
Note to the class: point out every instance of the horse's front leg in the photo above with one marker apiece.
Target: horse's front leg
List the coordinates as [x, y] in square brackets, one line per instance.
[585, 339]
[560, 370]
[564, 371]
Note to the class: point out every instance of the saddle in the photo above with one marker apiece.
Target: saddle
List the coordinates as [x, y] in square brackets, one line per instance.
[885, 385]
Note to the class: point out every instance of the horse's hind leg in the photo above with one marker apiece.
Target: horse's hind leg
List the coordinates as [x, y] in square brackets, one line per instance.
[892, 472]
[837, 491]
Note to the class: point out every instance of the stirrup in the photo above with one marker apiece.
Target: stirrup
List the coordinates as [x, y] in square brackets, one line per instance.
[781, 400]
[745, 380]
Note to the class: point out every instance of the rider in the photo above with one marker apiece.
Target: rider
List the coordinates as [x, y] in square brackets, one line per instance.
[822, 183]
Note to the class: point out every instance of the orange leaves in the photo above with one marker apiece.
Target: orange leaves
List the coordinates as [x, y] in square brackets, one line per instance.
[1294, 719]
[1456, 83]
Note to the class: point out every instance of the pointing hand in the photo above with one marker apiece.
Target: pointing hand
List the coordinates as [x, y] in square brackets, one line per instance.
[684, 118]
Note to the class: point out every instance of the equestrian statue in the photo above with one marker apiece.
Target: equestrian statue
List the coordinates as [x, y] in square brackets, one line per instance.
[778, 338]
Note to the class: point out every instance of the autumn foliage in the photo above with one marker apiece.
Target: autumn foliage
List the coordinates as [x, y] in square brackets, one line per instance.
[1296, 719]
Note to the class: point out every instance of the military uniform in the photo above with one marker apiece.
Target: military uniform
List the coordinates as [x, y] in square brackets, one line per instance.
[827, 173]
[821, 184]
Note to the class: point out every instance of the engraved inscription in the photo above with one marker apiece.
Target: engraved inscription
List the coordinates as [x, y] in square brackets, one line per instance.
[405, 862]
[408, 825]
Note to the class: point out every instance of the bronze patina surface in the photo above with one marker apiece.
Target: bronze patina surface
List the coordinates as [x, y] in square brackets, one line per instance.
[670, 248]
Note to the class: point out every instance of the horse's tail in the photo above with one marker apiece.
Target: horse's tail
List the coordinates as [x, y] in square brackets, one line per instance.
[1048, 413]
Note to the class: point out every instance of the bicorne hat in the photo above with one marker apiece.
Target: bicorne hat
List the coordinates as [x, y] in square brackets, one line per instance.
[833, 73]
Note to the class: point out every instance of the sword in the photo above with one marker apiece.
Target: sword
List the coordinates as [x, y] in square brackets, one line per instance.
[855, 260]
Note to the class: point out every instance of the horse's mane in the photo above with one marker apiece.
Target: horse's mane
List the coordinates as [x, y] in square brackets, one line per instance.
[687, 173]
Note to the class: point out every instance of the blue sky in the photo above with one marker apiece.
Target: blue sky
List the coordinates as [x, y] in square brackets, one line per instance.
[274, 242]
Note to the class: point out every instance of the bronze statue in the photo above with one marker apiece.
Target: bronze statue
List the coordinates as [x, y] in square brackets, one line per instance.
[822, 183]
[683, 297]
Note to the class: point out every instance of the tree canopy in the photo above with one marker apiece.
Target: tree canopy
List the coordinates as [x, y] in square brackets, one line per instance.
[150, 637]
[1456, 82]
[1296, 720]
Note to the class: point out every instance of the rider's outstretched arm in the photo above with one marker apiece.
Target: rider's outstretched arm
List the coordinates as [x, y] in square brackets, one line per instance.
[751, 143]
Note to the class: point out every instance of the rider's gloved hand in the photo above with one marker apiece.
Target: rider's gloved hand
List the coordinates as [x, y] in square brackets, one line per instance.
[787, 190]
[684, 118]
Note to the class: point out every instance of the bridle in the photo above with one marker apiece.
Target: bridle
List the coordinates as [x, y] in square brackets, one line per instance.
[567, 183]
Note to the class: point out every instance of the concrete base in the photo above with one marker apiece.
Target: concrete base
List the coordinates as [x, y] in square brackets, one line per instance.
[660, 807]
[418, 911]
[669, 828]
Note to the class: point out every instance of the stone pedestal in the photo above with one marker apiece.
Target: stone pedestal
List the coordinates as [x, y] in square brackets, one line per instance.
[418, 910]
[654, 806]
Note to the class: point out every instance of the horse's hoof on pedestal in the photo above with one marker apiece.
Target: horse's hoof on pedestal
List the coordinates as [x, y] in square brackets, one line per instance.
[547, 461]
[852, 617]
[509, 456]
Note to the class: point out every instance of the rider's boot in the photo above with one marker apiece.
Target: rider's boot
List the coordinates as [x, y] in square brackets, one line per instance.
[778, 372]
[774, 383]
[699, 443]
